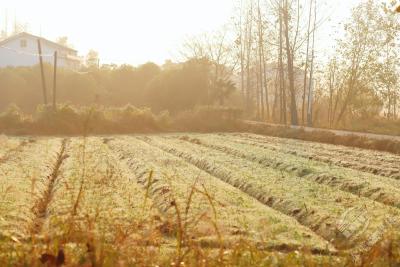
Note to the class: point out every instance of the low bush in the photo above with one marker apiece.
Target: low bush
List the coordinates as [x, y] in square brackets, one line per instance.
[11, 117]
[70, 120]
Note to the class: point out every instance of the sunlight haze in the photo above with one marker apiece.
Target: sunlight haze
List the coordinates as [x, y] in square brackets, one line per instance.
[200, 133]
[135, 32]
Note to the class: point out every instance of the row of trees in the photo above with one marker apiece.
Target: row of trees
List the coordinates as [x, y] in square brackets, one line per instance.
[173, 87]
[275, 50]
[361, 79]
[274, 61]
[269, 53]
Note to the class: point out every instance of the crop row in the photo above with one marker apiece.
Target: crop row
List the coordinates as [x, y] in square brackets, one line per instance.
[95, 202]
[22, 181]
[359, 183]
[316, 206]
[210, 210]
[73, 195]
[380, 163]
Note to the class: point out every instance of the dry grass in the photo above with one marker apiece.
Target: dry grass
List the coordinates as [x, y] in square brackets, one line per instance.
[375, 187]
[375, 162]
[312, 204]
[144, 207]
[327, 137]
[374, 125]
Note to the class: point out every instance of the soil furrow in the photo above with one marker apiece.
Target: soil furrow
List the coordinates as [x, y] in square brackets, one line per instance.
[40, 207]
[239, 214]
[21, 184]
[304, 216]
[362, 161]
[380, 192]
[96, 198]
[315, 206]
[151, 182]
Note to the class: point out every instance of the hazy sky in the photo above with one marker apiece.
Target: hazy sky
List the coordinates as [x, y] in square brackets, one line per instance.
[136, 31]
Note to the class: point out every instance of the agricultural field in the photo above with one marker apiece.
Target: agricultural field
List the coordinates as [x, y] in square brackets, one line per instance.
[234, 199]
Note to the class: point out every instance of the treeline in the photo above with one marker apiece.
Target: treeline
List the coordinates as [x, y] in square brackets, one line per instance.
[283, 78]
[172, 87]
[270, 55]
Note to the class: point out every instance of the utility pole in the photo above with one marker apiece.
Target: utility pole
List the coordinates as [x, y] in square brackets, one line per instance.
[42, 72]
[55, 82]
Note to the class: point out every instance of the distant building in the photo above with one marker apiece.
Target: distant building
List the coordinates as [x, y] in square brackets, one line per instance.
[21, 50]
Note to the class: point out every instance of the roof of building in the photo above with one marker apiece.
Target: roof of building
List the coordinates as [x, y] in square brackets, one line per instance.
[25, 34]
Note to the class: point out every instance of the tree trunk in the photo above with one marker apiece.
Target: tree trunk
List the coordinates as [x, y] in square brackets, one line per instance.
[265, 85]
[290, 68]
[306, 66]
[248, 59]
[241, 57]
[310, 86]
[276, 97]
[332, 77]
[260, 59]
[283, 118]
[347, 100]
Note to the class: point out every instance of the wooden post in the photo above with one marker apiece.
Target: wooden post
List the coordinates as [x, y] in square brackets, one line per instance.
[55, 82]
[42, 72]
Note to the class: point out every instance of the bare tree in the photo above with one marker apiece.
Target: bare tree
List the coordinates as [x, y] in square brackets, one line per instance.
[261, 63]
[311, 82]
[306, 64]
[282, 78]
[332, 69]
[290, 59]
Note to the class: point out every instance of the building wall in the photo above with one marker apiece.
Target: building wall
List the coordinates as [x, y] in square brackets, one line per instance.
[17, 56]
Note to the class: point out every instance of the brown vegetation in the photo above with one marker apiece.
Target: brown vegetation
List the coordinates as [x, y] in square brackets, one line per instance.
[117, 201]
[96, 119]
[327, 137]
[172, 87]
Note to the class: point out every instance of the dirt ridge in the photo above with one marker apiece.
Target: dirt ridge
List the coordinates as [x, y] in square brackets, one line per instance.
[319, 223]
[39, 208]
[363, 189]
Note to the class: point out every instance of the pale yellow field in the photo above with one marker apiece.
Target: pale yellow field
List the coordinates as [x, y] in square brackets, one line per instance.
[194, 198]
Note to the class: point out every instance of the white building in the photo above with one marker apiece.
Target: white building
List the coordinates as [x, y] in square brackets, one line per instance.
[22, 50]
